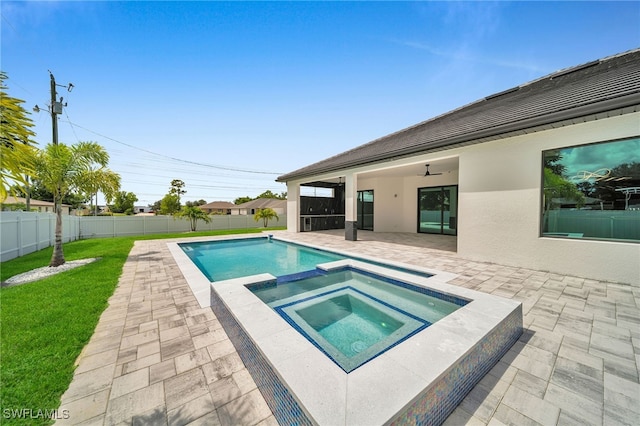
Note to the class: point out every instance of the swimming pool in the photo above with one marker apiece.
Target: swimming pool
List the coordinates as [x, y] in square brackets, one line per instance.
[223, 260]
[353, 316]
[241, 257]
[418, 380]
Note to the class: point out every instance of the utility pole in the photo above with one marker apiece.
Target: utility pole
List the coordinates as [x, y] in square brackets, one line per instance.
[56, 108]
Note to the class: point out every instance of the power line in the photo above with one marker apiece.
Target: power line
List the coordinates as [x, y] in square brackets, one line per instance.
[233, 169]
[208, 180]
[71, 124]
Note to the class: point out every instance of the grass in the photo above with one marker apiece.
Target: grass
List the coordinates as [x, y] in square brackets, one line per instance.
[45, 324]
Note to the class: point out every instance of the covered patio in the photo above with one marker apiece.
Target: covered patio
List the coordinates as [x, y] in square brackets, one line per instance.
[486, 173]
[158, 357]
[417, 194]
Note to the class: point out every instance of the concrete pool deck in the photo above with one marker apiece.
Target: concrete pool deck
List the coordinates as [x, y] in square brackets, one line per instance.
[157, 357]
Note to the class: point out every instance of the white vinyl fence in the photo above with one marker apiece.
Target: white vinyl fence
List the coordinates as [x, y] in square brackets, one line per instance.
[25, 232]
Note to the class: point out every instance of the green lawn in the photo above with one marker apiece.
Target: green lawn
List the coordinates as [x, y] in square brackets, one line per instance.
[45, 324]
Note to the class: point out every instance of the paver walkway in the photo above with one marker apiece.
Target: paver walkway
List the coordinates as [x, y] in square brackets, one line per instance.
[157, 357]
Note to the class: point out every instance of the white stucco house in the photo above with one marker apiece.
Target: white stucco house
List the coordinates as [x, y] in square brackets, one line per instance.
[545, 175]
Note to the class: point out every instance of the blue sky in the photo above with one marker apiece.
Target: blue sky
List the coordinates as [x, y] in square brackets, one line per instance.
[227, 96]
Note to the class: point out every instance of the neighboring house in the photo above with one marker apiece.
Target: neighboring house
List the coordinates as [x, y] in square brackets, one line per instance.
[92, 210]
[218, 207]
[495, 168]
[37, 205]
[251, 207]
[143, 209]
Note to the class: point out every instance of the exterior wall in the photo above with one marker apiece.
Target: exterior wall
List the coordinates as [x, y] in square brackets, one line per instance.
[395, 200]
[500, 206]
[385, 205]
[499, 202]
[293, 206]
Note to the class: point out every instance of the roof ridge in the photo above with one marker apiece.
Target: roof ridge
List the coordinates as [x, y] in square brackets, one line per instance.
[502, 103]
[573, 68]
[557, 73]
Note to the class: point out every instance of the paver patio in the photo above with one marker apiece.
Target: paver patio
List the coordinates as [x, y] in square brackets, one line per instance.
[157, 357]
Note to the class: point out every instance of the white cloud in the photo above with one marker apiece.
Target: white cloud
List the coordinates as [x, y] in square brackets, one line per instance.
[462, 53]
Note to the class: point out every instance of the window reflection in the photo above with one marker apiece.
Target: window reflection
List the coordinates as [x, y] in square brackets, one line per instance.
[593, 191]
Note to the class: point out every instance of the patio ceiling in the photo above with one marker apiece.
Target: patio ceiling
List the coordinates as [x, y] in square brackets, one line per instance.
[408, 170]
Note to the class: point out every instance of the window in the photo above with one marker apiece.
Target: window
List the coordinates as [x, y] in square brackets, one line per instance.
[592, 191]
[313, 191]
[365, 210]
[438, 210]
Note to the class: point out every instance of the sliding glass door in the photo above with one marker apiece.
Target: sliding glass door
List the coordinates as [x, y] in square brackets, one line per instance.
[365, 210]
[438, 210]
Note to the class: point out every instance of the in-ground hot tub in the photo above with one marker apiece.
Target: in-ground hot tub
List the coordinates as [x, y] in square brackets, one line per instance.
[352, 315]
[417, 379]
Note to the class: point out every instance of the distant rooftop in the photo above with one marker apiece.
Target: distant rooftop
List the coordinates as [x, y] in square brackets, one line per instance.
[218, 205]
[263, 203]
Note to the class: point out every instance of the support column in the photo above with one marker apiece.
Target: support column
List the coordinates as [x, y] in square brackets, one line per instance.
[293, 207]
[351, 208]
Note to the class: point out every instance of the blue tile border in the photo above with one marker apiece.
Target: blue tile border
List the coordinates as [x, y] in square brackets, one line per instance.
[292, 323]
[437, 402]
[300, 276]
[280, 400]
[424, 290]
[318, 272]
[188, 249]
[262, 285]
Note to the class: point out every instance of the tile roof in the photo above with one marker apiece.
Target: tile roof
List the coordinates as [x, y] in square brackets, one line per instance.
[218, 205]
[587, 90]
[263, 203]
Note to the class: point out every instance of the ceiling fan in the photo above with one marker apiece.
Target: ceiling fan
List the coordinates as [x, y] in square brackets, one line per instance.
[428, 173]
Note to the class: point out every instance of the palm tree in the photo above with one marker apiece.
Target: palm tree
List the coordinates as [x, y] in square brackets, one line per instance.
[16, 143]
[101, 180]
[193, 213]
[60, 169]
[266, 215]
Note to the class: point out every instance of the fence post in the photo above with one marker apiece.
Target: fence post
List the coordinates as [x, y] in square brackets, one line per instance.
[19, 235]
[37, 232]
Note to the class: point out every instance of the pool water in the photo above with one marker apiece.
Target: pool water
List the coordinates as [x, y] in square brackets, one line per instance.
[348, 323]
[223, 260]
[228, 259]
[353, 316]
